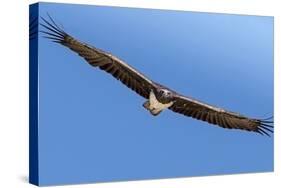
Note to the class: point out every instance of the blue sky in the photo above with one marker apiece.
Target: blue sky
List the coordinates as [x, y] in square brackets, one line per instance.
[94, 129]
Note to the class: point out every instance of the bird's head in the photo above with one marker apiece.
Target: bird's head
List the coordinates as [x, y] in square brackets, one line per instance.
[164, 95]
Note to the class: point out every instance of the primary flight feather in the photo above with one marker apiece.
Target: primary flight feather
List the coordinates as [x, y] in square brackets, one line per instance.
[158, 97]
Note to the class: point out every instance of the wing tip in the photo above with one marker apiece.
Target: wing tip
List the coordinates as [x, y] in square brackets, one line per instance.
[52, 30]
[265, 126]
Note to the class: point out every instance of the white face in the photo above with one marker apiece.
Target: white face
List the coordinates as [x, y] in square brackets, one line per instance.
[166, 92]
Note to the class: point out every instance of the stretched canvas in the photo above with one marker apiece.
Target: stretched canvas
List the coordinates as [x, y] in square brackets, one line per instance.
[120, 94]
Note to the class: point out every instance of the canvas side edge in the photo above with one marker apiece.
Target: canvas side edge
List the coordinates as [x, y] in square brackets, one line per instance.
[33, 95]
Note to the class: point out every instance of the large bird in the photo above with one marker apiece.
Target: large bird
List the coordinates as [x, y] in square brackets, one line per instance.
[158, 97]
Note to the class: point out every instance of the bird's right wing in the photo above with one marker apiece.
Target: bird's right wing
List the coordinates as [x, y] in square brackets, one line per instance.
[103, 60]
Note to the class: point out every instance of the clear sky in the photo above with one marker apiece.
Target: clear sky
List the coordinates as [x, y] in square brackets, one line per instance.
[94, 129]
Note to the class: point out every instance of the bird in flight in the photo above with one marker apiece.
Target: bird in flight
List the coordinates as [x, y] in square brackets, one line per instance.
[158, 96]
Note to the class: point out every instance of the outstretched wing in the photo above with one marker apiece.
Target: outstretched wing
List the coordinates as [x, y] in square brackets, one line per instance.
[98, 58]
[217, 116]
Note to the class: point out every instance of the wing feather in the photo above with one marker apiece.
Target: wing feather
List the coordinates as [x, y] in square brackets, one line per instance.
[217, 116]
[103, 60]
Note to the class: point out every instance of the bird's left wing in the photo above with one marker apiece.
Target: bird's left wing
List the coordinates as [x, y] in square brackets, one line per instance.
[129, 76]
[217, 116]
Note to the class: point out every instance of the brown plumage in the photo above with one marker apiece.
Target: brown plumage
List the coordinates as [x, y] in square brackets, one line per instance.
[146, 88]
[217, 116]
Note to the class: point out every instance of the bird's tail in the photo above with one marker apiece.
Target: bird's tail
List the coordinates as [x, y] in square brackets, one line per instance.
[153, 111]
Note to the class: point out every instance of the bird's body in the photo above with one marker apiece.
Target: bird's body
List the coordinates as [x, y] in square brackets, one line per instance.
[157, 104]
[158, 97]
